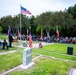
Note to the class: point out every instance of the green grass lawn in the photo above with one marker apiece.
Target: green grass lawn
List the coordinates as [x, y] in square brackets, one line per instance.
[44, 65]
[9, 61]
[57, 50]
[11, 49]
[3, 36]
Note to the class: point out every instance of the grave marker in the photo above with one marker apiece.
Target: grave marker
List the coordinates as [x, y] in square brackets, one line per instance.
[27, 56]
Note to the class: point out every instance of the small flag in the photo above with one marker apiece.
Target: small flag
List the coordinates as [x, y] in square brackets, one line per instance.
[25, 11]
[30, 41]
[57, 32]
[9, 31]
[18, 33]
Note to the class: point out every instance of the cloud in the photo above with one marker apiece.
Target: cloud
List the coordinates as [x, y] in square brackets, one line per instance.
[36, 7]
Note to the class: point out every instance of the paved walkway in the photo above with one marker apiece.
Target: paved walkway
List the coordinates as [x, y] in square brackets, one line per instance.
[8, 52]
[37, 45]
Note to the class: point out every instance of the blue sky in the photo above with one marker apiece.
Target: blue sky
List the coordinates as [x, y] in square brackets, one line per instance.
[36, 7]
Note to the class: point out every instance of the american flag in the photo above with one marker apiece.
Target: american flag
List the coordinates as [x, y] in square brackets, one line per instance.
[57, 32]
[25, 11]
[18, 33]
[9, 31]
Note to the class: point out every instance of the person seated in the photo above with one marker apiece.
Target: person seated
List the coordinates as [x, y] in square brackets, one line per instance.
[5, 45]
[40, 45]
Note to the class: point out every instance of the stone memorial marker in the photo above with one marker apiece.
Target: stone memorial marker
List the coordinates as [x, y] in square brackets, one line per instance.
[72, 71]
[27, 56]
[25, 44]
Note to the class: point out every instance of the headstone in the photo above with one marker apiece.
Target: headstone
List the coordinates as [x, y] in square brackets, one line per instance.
[27, 56]
[72, 71]
[25, 44]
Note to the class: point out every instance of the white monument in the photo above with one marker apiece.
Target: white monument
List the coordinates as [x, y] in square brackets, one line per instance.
[27, 58]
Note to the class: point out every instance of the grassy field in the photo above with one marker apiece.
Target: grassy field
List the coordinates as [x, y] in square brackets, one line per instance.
[3, 36]
[11, 49]
[9, 61]
[57, 50]
[47, 66]
[44, 65]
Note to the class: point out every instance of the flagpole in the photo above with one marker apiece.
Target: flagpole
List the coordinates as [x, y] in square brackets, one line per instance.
[23, 11]
[20, 21]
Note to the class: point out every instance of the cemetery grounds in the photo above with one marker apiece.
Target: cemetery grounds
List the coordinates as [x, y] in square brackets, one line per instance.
[54, 60]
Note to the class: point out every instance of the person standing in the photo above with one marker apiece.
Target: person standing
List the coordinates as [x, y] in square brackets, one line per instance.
[10, 40]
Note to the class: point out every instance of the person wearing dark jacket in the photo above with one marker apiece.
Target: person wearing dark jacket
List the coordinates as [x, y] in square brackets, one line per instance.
[10, 40]
[5, 45]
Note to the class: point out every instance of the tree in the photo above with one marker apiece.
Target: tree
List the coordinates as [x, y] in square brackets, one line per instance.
[0, 29]
[5, 22]
[72, 10]
[32, 25]
[44, 20]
